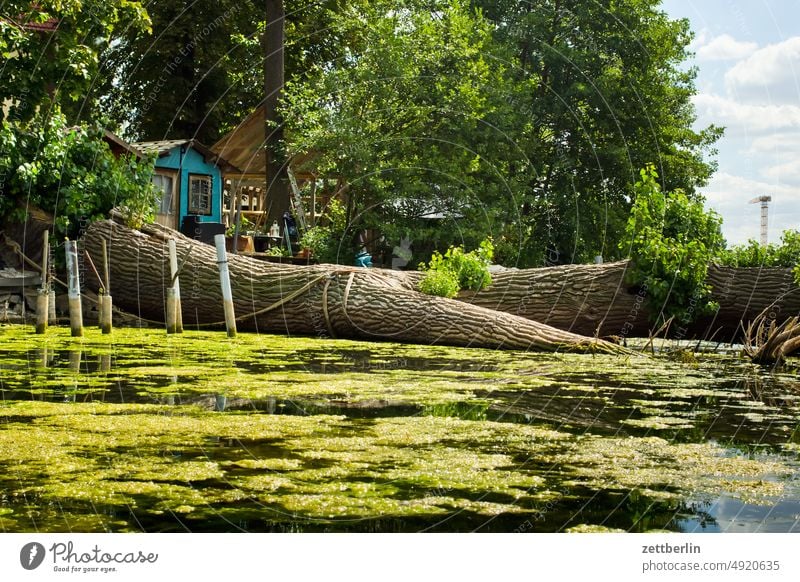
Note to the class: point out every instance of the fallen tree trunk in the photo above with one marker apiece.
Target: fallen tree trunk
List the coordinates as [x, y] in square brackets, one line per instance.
[324, 300]
[596, 300]
[593, 300]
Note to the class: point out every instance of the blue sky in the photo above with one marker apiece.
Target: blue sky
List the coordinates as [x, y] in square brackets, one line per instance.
[748, 56]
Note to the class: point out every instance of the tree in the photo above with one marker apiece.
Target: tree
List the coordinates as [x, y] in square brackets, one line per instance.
[51, 51]
[528, 120]
[276, 178]
[400, 114]
[175, 80]
[324, 300]
[70, 172]
[610, 93]
[51, 62]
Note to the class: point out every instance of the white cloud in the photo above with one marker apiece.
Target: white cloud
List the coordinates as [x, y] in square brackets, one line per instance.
[746, 117]
[730, 195]
[785, 173]
[770, 75]
[725, 48]
[699, 40]
[778, 144]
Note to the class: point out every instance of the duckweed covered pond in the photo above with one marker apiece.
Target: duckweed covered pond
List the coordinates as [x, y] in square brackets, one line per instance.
[141, 431]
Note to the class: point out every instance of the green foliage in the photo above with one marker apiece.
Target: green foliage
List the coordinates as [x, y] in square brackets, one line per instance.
[327, 239]
[671, 239]
[40, 69]
[185, 77]
[441, 283]
[245, 226]
[753, 254]
[72, 173]
[316, 239]
[528, 120]
[400, 115]
[277, 251]
[446, 275]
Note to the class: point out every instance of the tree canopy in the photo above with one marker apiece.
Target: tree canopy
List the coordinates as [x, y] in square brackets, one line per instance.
[449, 121]
[52, 51]
[529, 121]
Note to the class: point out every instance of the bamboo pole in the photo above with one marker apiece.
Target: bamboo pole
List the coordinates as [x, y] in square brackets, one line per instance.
[225, 282]
[74, 289]
[175, 289]
[43, 298]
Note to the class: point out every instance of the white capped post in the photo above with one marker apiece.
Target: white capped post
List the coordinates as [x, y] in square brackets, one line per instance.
[225, 282]
[174, 311]
[74, 288]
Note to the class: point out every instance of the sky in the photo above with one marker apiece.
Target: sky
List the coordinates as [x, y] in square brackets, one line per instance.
[748, 57]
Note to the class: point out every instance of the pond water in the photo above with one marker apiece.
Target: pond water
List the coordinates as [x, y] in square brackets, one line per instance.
[139, 431]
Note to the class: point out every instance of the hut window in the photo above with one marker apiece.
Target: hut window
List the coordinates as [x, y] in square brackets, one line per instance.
[199, 194]
[164, 183]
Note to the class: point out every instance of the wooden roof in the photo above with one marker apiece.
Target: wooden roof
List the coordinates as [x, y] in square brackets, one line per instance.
[164, 146]
[119, 146]
[244, 148]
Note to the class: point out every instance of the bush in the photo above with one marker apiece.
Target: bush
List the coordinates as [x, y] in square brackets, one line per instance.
[71, 172]
[442, 283]
[325, 239]
[671, 240]
[753, 254]
[465, 270]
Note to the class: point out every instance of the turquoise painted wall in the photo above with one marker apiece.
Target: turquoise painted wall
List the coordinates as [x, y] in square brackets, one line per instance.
[194, 163]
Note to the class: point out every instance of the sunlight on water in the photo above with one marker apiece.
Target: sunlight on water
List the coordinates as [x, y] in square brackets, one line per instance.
[143, 431]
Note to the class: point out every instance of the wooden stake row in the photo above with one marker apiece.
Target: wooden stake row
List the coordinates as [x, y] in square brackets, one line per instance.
[45, 302]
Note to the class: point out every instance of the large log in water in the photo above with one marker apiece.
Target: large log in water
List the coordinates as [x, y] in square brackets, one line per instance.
[325, 300]
[596, 300]
[590, 300]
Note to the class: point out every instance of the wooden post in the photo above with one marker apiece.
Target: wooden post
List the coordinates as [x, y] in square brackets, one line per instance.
[43, 298]
[175, 323]
[225, 282]
[51, 305]
[172, 311]
[106, 304]
[74, 289]
[75, 360]
[237, 226]
[45, 357]
[106, 316]
[106, 277]
[42, 310]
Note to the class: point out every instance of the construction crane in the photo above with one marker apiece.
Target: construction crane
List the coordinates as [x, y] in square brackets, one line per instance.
[764, 200]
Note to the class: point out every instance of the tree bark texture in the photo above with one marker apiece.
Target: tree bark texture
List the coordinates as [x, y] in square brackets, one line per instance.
[595, 299]
[323, 300]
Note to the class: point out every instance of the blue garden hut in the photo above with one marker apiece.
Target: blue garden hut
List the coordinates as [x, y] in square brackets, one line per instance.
[190, 178]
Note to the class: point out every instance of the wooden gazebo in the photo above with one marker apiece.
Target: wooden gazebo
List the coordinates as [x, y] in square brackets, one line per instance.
[244, 148]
